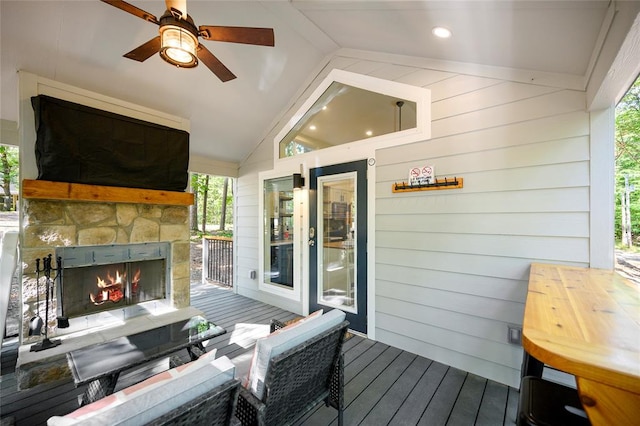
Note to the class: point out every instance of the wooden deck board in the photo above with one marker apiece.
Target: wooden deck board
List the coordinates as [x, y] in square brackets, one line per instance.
[468, 402]
[394, 398]
[383, 385]
[372, 395]
[493, 407]
[421, 395]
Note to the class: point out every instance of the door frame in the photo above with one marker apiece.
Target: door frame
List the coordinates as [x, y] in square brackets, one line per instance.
[357, 169]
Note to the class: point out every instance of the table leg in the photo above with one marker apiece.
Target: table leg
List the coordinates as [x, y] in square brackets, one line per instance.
[531, 366]
[99, 388]
[196, 351]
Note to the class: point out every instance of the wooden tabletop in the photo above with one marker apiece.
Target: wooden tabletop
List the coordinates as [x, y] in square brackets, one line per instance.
[586, 322]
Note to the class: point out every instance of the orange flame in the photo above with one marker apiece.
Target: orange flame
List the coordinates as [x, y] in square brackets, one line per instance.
[110, 289]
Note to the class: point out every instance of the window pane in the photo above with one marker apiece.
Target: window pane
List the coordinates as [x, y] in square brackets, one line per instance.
[336, 262]
[278, 231]
[345, 114]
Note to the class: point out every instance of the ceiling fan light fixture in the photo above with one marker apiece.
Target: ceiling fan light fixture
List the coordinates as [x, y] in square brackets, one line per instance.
[178, 46]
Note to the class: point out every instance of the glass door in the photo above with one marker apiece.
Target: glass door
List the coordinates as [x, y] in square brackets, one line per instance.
[338, 239]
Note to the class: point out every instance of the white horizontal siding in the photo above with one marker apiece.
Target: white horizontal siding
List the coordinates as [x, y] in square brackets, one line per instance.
[539, 200]
[413, 301]
[552, 224]
[542, 106]
[486, 97]
[535, 248]
[405, 335]
[452, 265]
[462, 281]
[558, 127]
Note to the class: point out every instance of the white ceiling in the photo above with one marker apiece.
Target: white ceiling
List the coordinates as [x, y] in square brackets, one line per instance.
[82, 42]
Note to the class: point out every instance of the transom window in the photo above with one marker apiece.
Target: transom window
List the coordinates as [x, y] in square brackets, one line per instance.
[345, 113]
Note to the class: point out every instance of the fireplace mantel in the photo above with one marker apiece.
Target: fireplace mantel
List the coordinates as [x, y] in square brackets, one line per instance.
[48, 190]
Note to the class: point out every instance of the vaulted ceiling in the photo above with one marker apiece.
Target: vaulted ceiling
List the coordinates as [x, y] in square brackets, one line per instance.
[82, 42]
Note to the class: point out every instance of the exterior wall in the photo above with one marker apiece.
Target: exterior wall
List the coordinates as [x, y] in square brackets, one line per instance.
[451, 267]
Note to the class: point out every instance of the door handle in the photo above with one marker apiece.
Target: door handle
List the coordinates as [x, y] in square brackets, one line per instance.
[312, 236]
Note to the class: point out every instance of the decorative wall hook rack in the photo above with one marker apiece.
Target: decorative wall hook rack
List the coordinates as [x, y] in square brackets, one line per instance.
[444, 183]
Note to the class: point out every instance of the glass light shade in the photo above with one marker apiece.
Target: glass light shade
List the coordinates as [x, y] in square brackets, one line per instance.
[178, 46]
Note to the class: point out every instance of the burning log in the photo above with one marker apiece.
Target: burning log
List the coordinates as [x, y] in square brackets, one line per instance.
[111, 291]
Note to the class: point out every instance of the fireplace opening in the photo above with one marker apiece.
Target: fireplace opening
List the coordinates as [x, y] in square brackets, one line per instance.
[102, 278]
[91, 289]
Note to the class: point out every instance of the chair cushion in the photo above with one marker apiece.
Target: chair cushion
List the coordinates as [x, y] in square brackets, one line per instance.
[245, 361]
[283, 340]
[159, 394]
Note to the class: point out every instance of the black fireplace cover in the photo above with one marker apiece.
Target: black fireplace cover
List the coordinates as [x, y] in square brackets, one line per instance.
[80, 144]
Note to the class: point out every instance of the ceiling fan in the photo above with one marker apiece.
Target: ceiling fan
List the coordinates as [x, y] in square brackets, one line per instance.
[178, 40]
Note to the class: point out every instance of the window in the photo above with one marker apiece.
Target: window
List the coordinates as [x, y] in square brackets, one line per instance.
[346, 114]
[278, 231]
[349, 108]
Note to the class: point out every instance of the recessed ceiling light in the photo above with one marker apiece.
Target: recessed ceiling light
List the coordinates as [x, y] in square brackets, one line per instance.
[441, 32]
[312, 127]
[369, 133]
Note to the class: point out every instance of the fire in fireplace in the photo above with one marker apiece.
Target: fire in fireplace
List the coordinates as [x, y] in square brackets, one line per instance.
[102, 278]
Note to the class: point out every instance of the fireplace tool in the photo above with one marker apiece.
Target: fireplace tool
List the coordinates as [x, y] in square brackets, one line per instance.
[63, 321]
[35, 324]
[46, 343]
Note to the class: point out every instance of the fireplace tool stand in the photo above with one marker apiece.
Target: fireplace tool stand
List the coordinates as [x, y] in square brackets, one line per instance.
[46, 343]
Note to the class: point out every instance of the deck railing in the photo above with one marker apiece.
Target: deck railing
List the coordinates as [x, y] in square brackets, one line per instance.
[217, 261]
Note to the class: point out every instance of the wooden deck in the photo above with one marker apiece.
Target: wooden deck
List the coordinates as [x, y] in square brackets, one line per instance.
[384, 385]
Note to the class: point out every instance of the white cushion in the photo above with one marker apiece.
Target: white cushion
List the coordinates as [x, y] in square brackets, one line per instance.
[145, 401]
[283, 340]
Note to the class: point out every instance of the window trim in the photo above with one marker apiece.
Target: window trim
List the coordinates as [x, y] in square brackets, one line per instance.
[294, 293]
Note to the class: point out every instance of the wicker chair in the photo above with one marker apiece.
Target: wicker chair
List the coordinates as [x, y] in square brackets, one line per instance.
[214, 408]
[297, 380]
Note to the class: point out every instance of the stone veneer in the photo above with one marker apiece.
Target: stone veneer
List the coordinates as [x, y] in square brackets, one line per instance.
[47, 224]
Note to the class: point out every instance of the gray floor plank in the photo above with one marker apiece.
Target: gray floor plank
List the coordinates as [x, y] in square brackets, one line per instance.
[371, 397]
[440, 406]
[468, 402]
[421, 395]
[391, 402]
[511, 414]
[364, 360]
[493, 406]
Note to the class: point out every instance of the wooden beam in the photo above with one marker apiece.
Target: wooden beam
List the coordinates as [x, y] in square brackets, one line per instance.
[48, 190]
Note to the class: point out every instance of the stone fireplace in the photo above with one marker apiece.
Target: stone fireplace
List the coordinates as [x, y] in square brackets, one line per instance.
[140, 249]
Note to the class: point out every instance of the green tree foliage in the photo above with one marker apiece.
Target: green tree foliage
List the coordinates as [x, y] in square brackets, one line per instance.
[9, 170]
[628, 158]
[210, 199]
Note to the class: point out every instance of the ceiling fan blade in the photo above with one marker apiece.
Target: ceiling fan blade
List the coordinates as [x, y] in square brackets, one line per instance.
[214, 64]
[179, 5]
[145, 51]
[246, 35]
[123, 5]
